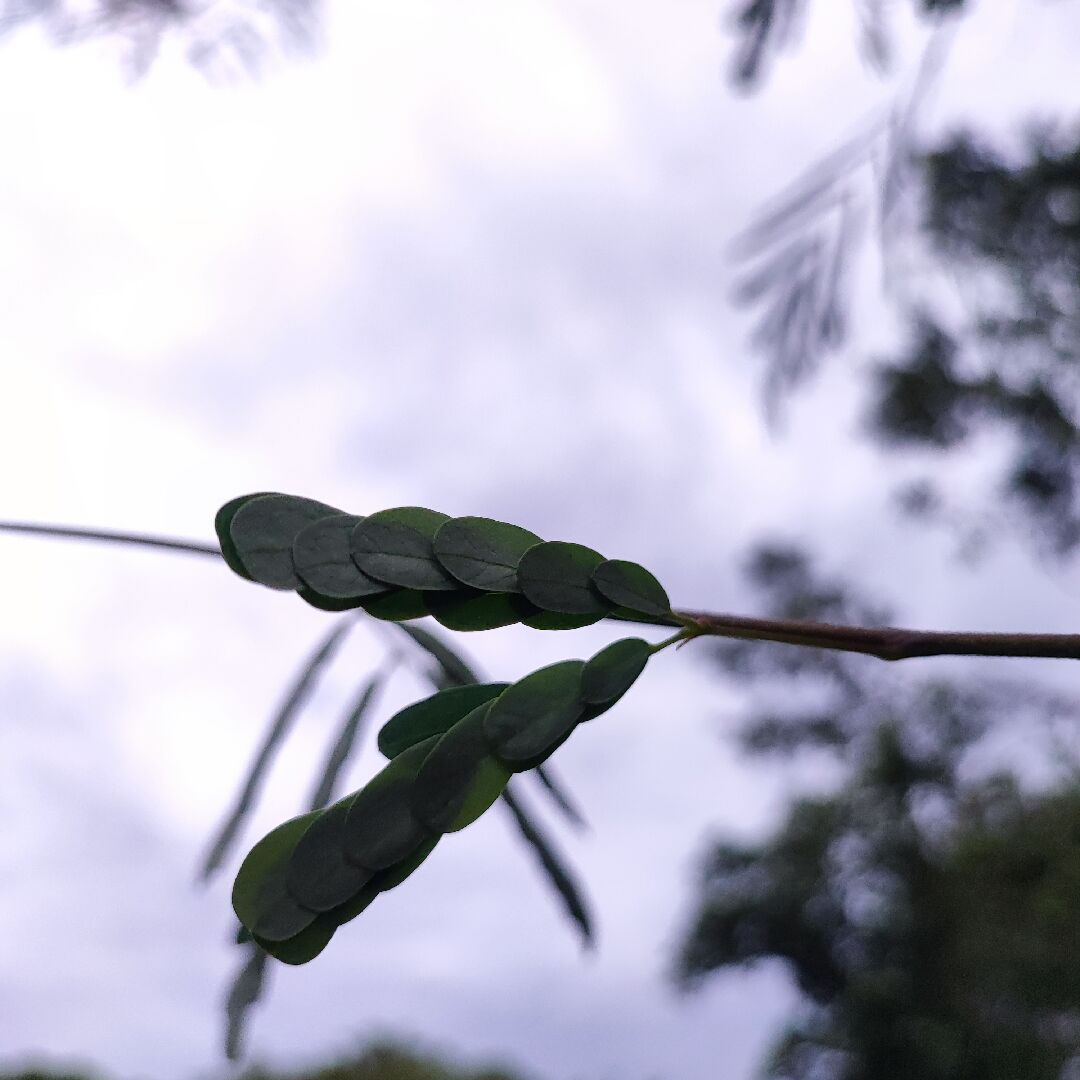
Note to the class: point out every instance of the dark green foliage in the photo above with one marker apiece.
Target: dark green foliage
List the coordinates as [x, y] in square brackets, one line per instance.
[632, 588]
[319, 876]
[322, 557]
[557, 577]
[381, 828]
[260, 881]
[262, 531]
[452, 754]
[612, 671]
[433, 715]
[460, 778]
[474, 610]
[535, 715]
[483, 553]
[379, 1060]
[923, 908]
[469, 573]
[395, 546]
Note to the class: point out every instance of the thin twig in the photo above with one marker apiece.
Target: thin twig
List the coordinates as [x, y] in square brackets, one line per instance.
[886, 643]
[109, 536]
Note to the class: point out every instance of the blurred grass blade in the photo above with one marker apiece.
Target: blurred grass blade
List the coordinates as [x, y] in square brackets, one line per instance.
[558, 874]
[347, 736]
[457, 670]
[275, 735]
[244, 992]
[560, 796]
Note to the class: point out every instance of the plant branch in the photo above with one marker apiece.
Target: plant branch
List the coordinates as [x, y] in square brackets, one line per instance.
[110, 536]
[886, 643]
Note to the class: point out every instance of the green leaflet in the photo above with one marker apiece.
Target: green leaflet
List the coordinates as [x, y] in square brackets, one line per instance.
[262, 532]
[259, 897]
[395, 546]
[483, 553]
[323, 561]
[534, 716]
[311, 941]
[613, 670]
[306, 945]
[318, 875]
[554, 620]
[380, 827]
[557, 576]
[396, 606]
[469, 610]
[455, 669]
[630, 586]
[433, 715]
[460, 779]
[222, 524]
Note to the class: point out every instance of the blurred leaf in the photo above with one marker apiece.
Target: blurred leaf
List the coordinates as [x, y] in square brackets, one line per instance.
[535, 715]
[560, 796]
[460, 778]
[395, 546]
[381, 829]
[279, 728]
[453, 665]
[630, 586]
[263, 530]
[613, 670]
[557, 576]
[483, 553]
[243, 994]
[433, 715]
[346, 740]
[558, 874]
[323, 560]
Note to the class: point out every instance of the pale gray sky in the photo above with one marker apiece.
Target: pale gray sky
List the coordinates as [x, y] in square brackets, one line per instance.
[472, 255]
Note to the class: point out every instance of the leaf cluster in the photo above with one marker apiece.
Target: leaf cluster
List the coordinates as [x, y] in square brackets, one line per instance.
[469, 573]
[452, 754]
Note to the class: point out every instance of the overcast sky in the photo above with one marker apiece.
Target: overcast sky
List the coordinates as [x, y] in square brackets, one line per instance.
[471, 255]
